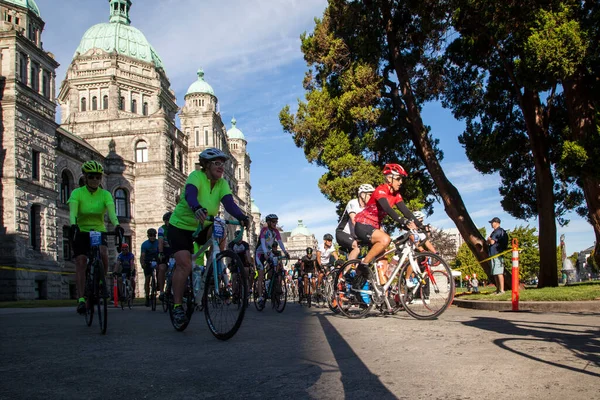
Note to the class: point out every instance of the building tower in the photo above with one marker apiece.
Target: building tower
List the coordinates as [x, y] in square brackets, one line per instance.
[28, 232]
[237, 145]
[116, 96]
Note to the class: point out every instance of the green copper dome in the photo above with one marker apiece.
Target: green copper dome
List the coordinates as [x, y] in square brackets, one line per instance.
[30, 4]
[234, 132]
[119, 36]
[254, 207]
[300, 230]
[200, 86]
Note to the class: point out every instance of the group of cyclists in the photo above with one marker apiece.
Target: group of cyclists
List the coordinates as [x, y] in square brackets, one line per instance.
[205, 190]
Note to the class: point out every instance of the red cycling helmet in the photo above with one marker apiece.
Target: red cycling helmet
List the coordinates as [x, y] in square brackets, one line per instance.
[394, 169]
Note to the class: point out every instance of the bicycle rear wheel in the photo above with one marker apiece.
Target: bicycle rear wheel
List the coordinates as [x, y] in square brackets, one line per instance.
[102, 297]
[279, 298]
[166, 297]
[256, 295]
[153, 293]
[123, 296]
[187, 304]
[350, 302]
[434, 293]
[320, 297]
[129, 297]
[89, 295]
[330, 291]
[225, 305]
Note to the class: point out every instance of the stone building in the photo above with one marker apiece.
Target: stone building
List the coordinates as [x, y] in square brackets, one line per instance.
[298, 240]
[117, 108]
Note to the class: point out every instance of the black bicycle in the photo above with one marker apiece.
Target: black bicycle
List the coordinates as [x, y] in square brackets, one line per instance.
[274, 286]
[96, 292]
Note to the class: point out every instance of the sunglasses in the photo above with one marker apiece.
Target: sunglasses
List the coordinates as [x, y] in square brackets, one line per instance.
[218, 163]
[94, 176]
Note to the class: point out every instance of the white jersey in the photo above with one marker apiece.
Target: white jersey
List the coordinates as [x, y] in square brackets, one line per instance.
[325, 253]
[353, 206]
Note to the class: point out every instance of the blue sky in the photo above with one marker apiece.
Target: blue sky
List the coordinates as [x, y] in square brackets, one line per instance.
[250, 53]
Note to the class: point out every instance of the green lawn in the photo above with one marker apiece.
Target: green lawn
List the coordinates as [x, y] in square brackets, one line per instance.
[52, 303]
[576, 292]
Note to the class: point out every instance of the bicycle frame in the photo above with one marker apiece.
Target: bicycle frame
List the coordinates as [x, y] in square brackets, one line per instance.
[214, 243]
[406, 253]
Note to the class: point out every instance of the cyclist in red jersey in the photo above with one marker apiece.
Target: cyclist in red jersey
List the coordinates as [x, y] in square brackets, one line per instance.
[368, 222]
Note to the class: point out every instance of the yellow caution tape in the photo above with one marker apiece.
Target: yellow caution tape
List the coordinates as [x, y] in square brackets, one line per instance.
[36, 270]
[487, 259]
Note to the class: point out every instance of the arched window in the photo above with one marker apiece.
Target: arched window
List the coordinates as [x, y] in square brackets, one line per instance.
[145, 108]
[141, 151]
[94, 103]
[105, 102]
[83, 104]
[179, 162]
[65, 186]
[121, 203]
[134, 106]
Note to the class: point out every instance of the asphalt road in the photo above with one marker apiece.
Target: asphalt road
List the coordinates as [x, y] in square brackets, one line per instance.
[301, 354]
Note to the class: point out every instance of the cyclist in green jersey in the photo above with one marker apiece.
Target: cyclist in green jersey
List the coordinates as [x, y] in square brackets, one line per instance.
[204, 191]
[87, 206]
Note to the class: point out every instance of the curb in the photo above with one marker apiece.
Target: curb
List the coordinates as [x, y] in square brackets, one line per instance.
[592, 306]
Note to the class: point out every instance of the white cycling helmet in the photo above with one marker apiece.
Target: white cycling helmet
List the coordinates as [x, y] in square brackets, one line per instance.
[365, 188]
[419, 215]
[212, 153]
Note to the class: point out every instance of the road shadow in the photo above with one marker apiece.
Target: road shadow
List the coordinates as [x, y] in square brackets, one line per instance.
[358, 381]
[583, 341]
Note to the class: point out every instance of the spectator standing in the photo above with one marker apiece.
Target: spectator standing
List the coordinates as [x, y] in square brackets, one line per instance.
[498, 241]
[475, 284]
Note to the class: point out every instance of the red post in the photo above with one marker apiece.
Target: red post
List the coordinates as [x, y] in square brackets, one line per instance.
[115, 291]
[515, 274]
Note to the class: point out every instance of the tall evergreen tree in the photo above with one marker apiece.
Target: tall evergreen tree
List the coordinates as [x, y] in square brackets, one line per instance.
[374, 63]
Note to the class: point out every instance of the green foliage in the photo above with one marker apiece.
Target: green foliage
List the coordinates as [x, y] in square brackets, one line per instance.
[467, 264]
[529, 253]
[592, 263]
[557, 45]
[348, 123]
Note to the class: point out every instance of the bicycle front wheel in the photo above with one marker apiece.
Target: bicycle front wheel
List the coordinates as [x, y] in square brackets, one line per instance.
[435, 291]
[225, 305]
[153, 293]
[279, 298]
[102, 297]
[89, 295]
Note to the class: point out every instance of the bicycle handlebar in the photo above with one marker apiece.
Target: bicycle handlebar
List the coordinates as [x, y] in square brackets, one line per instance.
[200, 228]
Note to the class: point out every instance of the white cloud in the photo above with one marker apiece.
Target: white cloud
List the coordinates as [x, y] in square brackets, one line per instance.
[240, 37]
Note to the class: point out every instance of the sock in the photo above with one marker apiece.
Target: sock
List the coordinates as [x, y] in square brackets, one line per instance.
[81, 300]
[176, 305]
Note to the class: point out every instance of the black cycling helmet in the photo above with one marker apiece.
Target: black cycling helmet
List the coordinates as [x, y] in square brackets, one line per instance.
[151, 232]
[167, 216]
[309, 250]
[327, 237]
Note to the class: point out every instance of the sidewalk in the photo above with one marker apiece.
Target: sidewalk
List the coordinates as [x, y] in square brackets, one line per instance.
[592, 306]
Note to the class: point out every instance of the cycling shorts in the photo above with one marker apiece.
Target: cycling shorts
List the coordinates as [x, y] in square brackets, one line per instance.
[344, 239]
[148, 269]
[181, 239]
[364, 232]
[127, 272]
[81, 245]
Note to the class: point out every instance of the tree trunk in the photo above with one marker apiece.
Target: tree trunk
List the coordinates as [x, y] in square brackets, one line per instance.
[453, 203]
[544, 186]
[582, 122]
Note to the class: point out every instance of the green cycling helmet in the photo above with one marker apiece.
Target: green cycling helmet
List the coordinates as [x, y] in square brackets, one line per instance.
[92, 167]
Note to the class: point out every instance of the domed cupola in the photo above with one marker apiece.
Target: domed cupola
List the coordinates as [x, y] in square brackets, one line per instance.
[254, 207]
[119, 36]
[29, 4]
[234, 132]
[300, 230]
[200, 86]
